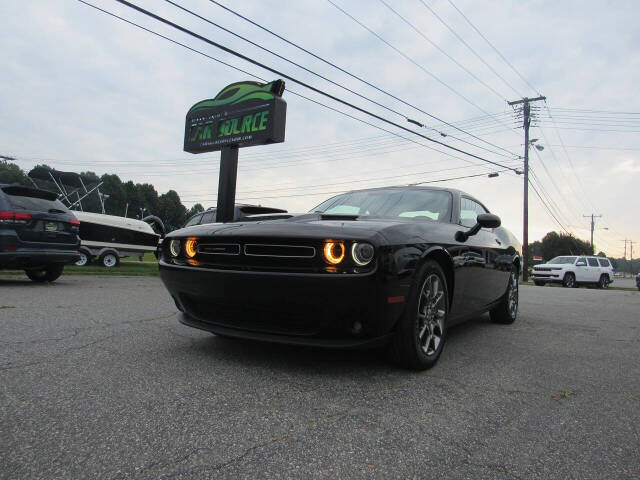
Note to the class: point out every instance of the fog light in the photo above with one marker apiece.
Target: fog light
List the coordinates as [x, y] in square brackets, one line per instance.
[333, 252]
[362, 253]
[174, 248]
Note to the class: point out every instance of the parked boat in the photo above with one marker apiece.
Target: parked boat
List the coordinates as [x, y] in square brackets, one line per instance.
[105, 237]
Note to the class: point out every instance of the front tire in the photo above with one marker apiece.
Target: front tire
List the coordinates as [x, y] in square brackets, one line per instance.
[569, 280]
[507, 310]
[421, 332]
[48, 274]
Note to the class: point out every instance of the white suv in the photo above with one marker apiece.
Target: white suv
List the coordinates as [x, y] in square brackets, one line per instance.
[572, 271]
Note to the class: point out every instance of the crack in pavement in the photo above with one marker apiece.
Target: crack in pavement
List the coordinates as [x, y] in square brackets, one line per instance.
[84, 329]
[95, 342]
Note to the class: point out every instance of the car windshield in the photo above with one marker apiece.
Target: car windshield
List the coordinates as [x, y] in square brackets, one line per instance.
[410, 203]
[560, 260]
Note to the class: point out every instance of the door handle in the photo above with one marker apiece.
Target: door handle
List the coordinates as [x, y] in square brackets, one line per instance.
[498, 242]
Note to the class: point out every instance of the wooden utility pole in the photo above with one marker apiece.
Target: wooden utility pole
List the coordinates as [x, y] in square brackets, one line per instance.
[526, 109]
[592, 225]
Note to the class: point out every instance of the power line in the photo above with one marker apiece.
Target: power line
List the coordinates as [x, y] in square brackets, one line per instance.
[421, 33]
[493, 47]
[405, 117]
[547, 208]
[408, 58]
[299, 82]
[289, 90]
[309, 194]
[356, 77]
[470, 48]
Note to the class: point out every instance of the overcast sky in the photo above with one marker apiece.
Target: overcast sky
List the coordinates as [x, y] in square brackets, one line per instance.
[85, 91]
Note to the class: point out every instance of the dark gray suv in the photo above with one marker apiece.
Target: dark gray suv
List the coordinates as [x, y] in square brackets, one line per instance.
[38, 233]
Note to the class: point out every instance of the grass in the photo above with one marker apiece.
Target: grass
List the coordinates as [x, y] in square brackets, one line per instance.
[130, 266]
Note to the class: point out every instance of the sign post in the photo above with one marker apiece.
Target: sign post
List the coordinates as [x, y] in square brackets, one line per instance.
[243, 114]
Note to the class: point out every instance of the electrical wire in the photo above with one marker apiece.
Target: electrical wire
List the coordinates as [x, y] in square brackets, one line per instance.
[409, 59]
[289, 90]
[494, 49]
[435, 45]
[356, 77]
[299, 82]
[405, 117]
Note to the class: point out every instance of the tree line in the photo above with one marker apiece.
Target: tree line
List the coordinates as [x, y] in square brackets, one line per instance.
[135, 200]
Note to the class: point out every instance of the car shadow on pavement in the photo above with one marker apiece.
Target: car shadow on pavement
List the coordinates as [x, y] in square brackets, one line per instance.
[320, 361]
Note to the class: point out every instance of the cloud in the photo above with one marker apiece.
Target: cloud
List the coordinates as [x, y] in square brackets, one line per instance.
[88, 92]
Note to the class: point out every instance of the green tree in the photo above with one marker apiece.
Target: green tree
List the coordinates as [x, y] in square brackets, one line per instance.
[554, 244]
[12, 173]
[171, 210]
[197, 208]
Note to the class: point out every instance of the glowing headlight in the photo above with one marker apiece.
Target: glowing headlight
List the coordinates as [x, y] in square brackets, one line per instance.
[190, 247]
[174, 248]
[333, 252]
[362, 253]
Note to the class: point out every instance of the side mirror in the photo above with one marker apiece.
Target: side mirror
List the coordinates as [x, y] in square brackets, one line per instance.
[489, 220]
[484, 220]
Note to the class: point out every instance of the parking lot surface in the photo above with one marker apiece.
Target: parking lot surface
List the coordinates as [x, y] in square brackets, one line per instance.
[99, 380]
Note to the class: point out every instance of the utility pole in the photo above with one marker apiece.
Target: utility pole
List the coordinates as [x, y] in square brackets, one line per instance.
[526, 110]
[593, 225]
[631, 257]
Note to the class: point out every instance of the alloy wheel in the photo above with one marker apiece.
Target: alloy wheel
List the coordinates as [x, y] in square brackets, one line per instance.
[432, 310]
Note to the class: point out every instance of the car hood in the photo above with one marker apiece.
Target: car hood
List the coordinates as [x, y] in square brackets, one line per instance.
[315, 226]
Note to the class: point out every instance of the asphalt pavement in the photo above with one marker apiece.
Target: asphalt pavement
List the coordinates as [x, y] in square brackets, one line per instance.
[99, 380]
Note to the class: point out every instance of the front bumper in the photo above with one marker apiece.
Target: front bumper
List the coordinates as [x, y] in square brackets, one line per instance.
[546, 276]
[327, 310]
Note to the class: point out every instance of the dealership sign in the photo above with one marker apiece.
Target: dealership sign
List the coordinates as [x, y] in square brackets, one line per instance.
[243, 114]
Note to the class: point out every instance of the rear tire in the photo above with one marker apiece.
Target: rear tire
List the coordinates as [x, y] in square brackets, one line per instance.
[421, 332]
[109, 259]
[603, 283]
[569, 280]
[539, 283]
[507, 310]
[48, 274]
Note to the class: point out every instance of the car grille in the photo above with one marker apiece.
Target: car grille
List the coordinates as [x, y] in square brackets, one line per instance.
[538, 269]
[267, 318]
[219, 249]
[267, 250]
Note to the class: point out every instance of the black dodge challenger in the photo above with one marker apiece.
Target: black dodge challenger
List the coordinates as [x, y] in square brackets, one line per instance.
[392, 266]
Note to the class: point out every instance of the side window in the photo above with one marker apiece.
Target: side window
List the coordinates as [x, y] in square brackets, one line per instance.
[582, 262]
[195, 220]
[469, 211]
[593, 262]
[604, 262]
[209, 217]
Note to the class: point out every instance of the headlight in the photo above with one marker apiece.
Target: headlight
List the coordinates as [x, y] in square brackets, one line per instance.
[190, 247]
[333, 252]
[362, 253]
[174, 248]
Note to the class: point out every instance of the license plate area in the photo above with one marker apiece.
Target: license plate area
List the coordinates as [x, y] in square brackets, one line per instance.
[50, 226]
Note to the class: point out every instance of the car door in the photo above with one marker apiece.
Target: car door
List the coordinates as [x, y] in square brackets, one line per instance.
[594, 269]
[485, 281]
[582, 270]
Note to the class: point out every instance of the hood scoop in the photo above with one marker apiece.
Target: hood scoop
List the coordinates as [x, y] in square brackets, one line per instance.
[338, 217]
